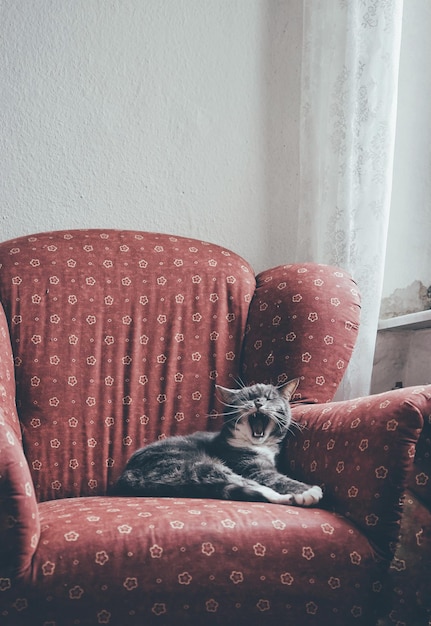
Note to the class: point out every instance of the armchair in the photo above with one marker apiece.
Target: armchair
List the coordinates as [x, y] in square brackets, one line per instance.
[112, 339]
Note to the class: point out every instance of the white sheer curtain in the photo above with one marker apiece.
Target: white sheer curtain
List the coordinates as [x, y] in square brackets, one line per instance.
[347, 133]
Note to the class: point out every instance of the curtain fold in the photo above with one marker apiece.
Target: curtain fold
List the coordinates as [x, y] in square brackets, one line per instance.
[349, 84]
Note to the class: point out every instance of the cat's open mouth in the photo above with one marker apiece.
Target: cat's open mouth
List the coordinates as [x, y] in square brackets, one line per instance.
[258, 423]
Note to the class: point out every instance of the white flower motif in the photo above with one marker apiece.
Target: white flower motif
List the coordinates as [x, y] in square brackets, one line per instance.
[355, 558]
[228, 523]
[48, 568]
[381, 472]
[177, 525]
[159, 608]
[101, 557]
[236, 577]
[71, 536]
[311, 608]
[259, 549]
[327, 528]
[308, 553]
[334, 582]
[156, 551]
[263, 605]
[278, 524]
[104, 617]
[76, 592]
[212, 605]
[185, 578]
[208, 548]
[130, 583]
[286, 578]
[124, 529]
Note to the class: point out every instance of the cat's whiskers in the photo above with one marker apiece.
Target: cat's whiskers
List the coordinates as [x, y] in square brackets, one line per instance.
[296, 426]
[239, 381]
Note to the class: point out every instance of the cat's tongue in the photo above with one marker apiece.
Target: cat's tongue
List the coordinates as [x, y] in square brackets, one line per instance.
[258, 423]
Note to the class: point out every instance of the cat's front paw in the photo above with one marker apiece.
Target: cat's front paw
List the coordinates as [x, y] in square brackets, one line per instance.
[309, 497]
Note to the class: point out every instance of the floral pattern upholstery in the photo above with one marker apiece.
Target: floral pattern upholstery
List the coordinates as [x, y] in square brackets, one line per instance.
[410, 602]
[113, 339]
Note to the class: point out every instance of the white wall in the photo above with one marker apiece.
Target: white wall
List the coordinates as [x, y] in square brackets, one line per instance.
[409, 240]
[177, 116]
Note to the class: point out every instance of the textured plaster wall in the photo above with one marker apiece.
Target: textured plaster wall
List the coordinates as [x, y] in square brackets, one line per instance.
[169, 115]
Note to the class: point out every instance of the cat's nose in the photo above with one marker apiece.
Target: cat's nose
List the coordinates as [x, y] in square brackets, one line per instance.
[258, 403]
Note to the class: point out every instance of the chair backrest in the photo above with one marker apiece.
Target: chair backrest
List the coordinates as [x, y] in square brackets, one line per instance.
[118, 338]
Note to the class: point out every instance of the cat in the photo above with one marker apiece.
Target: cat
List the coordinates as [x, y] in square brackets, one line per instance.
[237, 463]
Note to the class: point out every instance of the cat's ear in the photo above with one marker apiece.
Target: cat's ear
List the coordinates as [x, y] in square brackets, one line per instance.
[289, 388]
[226, 395]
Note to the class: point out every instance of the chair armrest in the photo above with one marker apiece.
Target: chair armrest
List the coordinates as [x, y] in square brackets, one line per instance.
[420, 478]
[19, 517]
[361, 451]
[303, 323]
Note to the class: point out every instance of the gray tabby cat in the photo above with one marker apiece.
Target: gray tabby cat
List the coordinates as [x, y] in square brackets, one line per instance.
[238, 463]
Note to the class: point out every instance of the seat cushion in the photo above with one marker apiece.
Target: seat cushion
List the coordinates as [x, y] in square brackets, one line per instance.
[142, 560]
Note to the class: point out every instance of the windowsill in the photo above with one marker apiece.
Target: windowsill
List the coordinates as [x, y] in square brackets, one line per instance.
[412, 321]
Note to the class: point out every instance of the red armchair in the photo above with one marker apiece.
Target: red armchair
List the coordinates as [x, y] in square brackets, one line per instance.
[112, 339]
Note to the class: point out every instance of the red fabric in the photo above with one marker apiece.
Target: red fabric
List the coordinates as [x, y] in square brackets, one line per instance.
[200, 560]
[303, 323]
[362, 451]
[19, 518]
[410, 580]
[118, 339]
